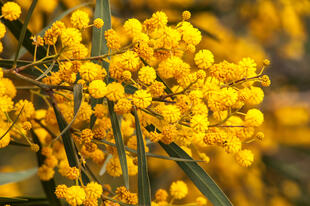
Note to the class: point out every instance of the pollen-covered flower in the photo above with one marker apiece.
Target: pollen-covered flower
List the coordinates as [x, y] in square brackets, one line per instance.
[171, 113]
[115, 91]
[142, 99]
[113, 39]
[130, 61]
[71, 36]
[90, 71]
[98, 23]
[132, 27]
[161, 195]
[75, 195]
[199, 123]
[61, 191]
[79, 19]
[123, 106]
[204, 59]
[232, 144]
[2, 30]
[186, 15]
[72, 173]
[45, 173]
[178, 189]
[147, 74]
[11, 11]
[93, 190]
[244, 157]
[97, 89]
[253, 118]
[27, 108]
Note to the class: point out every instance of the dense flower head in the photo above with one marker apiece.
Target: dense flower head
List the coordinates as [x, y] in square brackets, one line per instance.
[79, 19]
[97, 89]
[244, 157]
[71, 36]
[75, 195]
[11, 11]
[178, 189]
[98, 23]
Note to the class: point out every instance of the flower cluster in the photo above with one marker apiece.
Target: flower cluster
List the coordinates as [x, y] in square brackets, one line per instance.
[182, 95]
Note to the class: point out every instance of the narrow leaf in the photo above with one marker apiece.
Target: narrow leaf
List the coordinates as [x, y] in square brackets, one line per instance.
[78, 97]
[119, 143]
[67, 141]
[48, 186]
[10, 177]
[144, 188]
[199, 177]
[152, 155]
[8, 63]
[24, 28]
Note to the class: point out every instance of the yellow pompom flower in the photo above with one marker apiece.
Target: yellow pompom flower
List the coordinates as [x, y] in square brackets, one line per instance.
[5, 140]
[199, 123]
[147, 75]
[93, 190]
[130, 61]
[98, 23]
[142, 99]
[132, 27]
[71, 36]
[6, 104]
[253, 118]
[201, 201]
[28, 109]
[161, 195]
[186, 15]
[171, 113]
[204, 59]
[113, 39]
[115, 91]
[244, 157]
[2, 30]
[61, 191]
[123, 106]
[232, 144]
[114, 167]
[45, 173]
[72, 173]
[178, 189]
[97, 89]
[75, 195]
[79, 19]
[11, 11]
[87, 135]
[90, 71]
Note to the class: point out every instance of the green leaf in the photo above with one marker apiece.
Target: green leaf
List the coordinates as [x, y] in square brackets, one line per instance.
[144, 188]
[10, 177]
[99, 47]
[24, 28]
[152, 155]
[78, 97]
[23, 200]
[67, 140]
[16, 28]
[119, 143]
[198, 176]
[48, 186]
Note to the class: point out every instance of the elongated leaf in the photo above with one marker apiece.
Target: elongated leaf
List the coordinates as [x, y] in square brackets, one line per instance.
[144, 188]
[99, 47]
[16, 28]
[119, 143]
[44, 74]
[152, 155]
[68, 142]
[10, 177]
[24, 28]
[78, 97]
[48, 186]
[199, 177]
[22, 200]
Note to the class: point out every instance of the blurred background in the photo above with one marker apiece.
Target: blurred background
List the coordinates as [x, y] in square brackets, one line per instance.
[274, 29]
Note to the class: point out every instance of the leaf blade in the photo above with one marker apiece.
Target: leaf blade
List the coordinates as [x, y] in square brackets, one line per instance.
[144, 188]
[199, 177]
[10, 177]
[24, 28]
